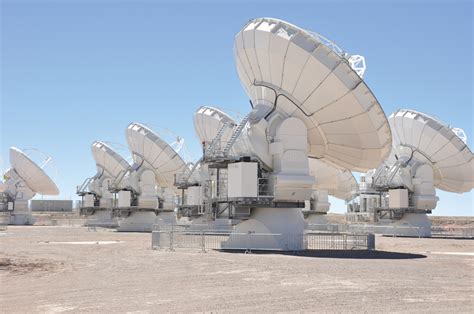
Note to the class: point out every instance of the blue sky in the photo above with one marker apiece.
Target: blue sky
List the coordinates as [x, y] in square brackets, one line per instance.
[76, 71]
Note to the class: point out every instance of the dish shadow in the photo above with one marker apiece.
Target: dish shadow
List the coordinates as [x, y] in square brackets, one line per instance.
[343, 254]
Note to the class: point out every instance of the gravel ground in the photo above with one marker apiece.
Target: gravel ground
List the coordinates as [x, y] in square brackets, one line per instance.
[60, 269]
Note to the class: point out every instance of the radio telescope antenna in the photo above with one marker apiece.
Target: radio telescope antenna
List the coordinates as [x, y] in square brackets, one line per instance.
[168, 135]
[308, 100]
[149, 150]
[148, 195]
[44, 161]
[23, 180]
[436, 143]
[109, 163]
[31, 173]
[427, 154]
[97, 200]
[302, 74]
[214, 129]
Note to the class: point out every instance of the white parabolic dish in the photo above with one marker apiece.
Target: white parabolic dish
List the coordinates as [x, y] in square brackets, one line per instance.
[434, 142]
[339, 183]
[314, 82]
[148, 149]
[208, 121]
[36, 179]
[108, 160]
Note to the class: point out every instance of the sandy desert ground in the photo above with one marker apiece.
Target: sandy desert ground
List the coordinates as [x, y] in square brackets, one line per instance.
[60, 269]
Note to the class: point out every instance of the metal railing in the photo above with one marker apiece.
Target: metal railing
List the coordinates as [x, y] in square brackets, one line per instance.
[395, 231]
[180, 238]
[339, 241]
[450, 231]
[4, 220]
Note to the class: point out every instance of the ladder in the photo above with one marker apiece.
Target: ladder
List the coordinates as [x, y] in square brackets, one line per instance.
[118, 179]
[190, 173]
[236, 134]
[393, 171]
[213, 148]
[82, 189]
[378, 173]
[387, 175]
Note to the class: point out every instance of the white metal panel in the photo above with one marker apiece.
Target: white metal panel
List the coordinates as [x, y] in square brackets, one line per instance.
[108, 160]
[124, 199]
[242, 179]
[312, 75]
[448, 151]
[408, 128]
[416, 131]
[343, 106]
[316, 77]
[207, 122]
[287, 108]
[158, 155]
[398, 198]
[398, 121]
[295, 61]
[248, 39]
[435, 143]
[240, 53]
[278, 43]
[262, 40]
[339, 183]
[329, 91]
[36, 179]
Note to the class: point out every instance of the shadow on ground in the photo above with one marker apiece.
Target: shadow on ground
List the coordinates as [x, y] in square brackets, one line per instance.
[433, 237]
[349, 254]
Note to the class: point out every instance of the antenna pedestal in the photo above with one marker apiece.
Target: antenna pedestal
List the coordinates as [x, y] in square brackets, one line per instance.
[274, 229]
[316, 209]
[102, 217]
[166, 218]
[139, 221]
[21, 214]
[413, 225]
[316, 218]
[21, 219]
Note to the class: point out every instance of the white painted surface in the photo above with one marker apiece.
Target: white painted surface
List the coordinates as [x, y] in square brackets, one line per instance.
[150, 151]
[436, 144]
[107, 160]
[398, 198]
[339, 183]
[124, 199]
[345, 123]
[242, 179]
[36, 179]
